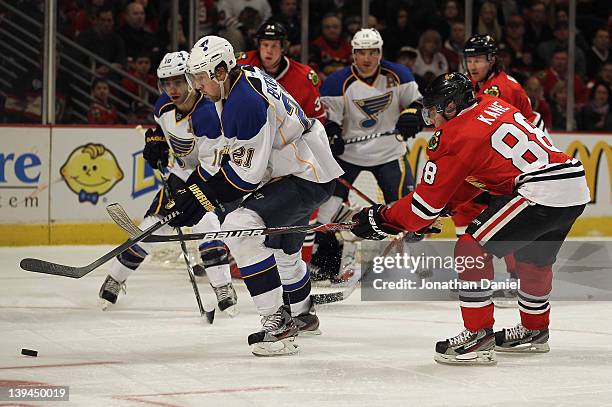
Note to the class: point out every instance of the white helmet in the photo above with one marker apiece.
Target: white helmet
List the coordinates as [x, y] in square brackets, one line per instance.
[207, 54]
[173, 64]
[367, 38]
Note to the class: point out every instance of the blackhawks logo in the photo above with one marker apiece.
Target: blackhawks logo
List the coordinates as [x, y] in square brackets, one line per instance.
[434, 141]
[313, 77]
[493, 91]
[240, 55]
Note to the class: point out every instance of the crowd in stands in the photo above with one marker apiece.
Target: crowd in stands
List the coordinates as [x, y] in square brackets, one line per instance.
[426, 36]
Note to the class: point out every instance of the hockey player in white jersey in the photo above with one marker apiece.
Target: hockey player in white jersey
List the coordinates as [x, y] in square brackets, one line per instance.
[370, 96]
[283, 160]
[179, 112]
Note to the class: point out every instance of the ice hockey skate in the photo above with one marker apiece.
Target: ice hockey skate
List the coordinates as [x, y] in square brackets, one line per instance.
[227, 299]
[308, 323]
[522, 340]
[467, 348]
[109, 292]
[277, 335]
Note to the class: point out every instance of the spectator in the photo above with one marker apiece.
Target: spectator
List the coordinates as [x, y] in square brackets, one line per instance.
[241, 33]
[101, 111]
[103, 41]
[290, 19]
[596, 115]
[537, 29]
[136, 39]
[514, 39]
[430, 61]
[352, 25]
[599, 53]
[562, 16]
[85, 17]
[534, 90]
[140, 70]
[453, 46]
[229, 10]
[164, 35]
[558, 72]
[487, 21]
[207, 17]
[407, 57]
[545, 50]
[558, 106]
[399, 35]
[451, 13]
[330, 51]
[603, 76]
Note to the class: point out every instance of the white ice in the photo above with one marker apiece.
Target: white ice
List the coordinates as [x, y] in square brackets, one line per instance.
[153, 349]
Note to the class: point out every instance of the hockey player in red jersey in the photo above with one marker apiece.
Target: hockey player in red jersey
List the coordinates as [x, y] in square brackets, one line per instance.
[299, 80]
[488, 78]
[540, 192]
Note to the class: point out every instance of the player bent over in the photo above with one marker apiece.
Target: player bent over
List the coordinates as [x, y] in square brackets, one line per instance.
[271, 139]
[180, 112]
[542, 191]
[371, 96]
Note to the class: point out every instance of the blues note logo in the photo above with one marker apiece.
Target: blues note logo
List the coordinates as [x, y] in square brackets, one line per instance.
[372, 107]
[181, 146]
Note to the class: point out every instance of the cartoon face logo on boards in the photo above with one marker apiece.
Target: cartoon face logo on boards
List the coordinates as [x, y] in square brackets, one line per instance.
[90, 171]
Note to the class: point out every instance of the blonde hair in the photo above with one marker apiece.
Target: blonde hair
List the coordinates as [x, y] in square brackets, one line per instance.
[493, 29]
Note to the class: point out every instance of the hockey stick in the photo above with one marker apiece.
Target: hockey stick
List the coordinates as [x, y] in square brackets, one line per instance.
[344, 294]
[123, 220]
[208, 314]
[46, 267]
[356, 190]
[371, 137]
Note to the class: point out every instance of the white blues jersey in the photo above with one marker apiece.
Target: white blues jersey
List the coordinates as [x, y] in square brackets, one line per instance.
[269, 136]
[180, 128]
[362, 109]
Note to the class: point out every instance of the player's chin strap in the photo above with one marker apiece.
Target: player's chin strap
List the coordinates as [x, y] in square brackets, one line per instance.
[222, 86]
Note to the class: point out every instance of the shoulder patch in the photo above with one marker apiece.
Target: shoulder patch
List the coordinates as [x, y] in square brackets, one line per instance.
[493, 91]
[313, 77]
[434, 141]
[240, 55]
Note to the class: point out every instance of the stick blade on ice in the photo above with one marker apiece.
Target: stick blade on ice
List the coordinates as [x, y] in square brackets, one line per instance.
[45, 267]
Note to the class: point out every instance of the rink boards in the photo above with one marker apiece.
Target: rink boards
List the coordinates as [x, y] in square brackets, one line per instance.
[56, 181]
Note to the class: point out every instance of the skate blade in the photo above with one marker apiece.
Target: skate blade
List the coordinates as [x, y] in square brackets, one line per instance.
[284, 347]
[321, 283]
[525, 348]
[231, 311]
[104, 304]
[313, 332]
[473, 358]
[505, 303]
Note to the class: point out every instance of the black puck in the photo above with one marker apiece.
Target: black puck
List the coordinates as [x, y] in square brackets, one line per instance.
[29, 352]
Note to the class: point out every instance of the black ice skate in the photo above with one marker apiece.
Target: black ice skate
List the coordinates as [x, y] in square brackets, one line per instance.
[467, 348]
[110, 291]
[522, 340]
[277, 335]
[227, 299]
[308, 322]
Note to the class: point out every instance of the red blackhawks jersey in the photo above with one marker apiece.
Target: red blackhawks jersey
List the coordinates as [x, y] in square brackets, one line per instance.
[489, 146]
[505, 87]
[299, 80]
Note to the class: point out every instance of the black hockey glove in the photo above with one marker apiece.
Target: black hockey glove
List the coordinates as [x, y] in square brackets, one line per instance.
[334, 135]
[371, 225]
[193, 201]
[409, 123]
[156, 148]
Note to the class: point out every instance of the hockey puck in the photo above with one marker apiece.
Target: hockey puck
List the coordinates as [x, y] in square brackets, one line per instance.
[29, 352]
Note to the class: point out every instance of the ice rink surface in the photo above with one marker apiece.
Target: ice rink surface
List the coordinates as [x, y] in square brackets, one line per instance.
[153, 349]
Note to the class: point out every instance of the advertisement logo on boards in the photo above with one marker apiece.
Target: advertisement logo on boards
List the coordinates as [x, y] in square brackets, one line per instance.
[90, 171]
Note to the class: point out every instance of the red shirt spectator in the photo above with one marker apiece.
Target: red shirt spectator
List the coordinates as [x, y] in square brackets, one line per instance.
[330, 51]
[557, 72]
[101, 111]
[141, 66]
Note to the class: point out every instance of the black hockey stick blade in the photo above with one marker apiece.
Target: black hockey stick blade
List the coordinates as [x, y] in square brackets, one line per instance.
[46, 267]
